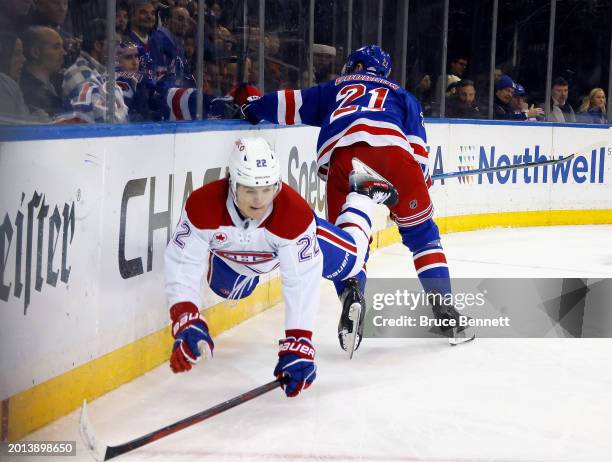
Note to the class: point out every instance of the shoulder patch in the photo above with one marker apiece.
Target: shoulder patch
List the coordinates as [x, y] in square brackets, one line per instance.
[206, 207]
[290, 216]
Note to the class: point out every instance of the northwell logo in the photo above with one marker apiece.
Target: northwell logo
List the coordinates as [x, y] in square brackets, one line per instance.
[583, 168]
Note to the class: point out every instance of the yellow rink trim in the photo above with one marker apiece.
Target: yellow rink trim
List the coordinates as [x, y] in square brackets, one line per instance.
[459, 223]
[43, 403]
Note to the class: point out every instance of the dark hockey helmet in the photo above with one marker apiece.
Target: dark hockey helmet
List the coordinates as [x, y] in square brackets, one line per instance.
[374, 59]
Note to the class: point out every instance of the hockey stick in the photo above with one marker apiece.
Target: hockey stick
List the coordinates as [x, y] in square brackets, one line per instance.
[101, 451]
[480, 171]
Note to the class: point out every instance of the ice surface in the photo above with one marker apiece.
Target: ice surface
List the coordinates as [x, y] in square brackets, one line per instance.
[511, 400]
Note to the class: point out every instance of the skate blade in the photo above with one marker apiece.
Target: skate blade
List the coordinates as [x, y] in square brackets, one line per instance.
[353, 337]
[458, 338]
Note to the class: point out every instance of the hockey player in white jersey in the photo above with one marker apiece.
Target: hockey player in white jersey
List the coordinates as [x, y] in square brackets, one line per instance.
[250, 224]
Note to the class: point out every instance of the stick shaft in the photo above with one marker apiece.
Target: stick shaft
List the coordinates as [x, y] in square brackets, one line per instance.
[480, 171]
[114, 451]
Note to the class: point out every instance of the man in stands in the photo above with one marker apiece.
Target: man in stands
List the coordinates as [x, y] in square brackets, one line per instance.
[85, 81]
[463, 104]
[142, 22]
[521, 108]
[44, 51]
[167, 47]
[560, 108]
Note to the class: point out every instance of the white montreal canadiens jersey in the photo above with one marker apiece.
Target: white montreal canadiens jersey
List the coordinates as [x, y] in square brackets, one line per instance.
[285, 238]
[354, 108]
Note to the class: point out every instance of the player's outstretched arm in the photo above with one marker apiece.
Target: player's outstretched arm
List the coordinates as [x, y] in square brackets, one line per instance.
[285, 107]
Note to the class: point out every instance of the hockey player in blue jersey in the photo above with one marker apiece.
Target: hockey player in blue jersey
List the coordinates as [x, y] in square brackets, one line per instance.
[364, 115]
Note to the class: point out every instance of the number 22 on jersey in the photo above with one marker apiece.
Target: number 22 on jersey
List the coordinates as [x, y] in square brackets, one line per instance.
[350, 93]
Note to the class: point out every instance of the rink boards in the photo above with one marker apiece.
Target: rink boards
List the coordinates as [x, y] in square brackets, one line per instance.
[86, 213]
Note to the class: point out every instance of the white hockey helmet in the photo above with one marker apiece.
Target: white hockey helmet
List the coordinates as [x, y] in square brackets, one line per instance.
[253, 163]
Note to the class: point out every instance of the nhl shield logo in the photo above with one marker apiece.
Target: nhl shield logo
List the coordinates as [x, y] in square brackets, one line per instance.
[220, 238]
[413, 204]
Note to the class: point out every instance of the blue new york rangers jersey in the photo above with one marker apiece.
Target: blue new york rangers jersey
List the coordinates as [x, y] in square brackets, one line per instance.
[354, 108]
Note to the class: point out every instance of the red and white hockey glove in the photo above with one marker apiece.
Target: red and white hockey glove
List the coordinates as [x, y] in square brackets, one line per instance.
[296, 361]
[191, 337]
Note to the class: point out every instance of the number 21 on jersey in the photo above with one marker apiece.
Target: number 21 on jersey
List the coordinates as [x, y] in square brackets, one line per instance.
[350, 93]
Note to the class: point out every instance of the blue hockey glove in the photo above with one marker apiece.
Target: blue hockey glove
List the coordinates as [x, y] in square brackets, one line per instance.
[244, 109]
[191, 337]
[296, 362]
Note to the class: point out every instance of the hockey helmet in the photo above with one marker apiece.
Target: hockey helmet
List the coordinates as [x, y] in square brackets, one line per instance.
[253, 163]
[374, 59]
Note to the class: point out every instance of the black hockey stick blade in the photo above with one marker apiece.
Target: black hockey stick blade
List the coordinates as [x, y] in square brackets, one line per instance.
[100, 451]
[500, 168]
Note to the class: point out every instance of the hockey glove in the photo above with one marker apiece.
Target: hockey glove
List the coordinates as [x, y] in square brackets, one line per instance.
[244, 110]
[296, 362]
[191, 337]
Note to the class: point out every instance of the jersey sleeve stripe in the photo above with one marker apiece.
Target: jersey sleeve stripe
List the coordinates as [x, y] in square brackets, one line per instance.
[290, 107]
[413, 139]
[298, 104]
[281, 109]
[330, 237]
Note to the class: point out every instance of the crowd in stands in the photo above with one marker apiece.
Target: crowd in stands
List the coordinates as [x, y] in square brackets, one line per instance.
[511, 101]
[52, 71]
[51, 74]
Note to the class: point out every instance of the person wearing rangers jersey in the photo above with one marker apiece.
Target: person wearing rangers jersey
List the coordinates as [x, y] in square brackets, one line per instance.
[251, 224]
[364, 115]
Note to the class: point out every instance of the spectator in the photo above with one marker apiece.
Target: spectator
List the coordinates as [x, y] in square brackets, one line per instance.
[593, 108]
[167, 49]
[224, 42]
[456, 71]
[521, 108]
[216, 12]
[128, 59]
[190, 56]
[84, 81]
[211, 84]
[560, 109]
[323, 62]
[422, 91]
[44, 52]
[138, 90]
[121, 21]
[142, 22]
[14, 13]
[458, 66]
[89, 65]
[274, 78]
[12, 105]
[463, 104]
[504, 90]
[453, 83]
[52, 13]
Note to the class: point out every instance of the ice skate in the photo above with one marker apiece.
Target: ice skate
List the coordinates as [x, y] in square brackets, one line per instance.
[364, 180]
[456, 335]
[350, 327]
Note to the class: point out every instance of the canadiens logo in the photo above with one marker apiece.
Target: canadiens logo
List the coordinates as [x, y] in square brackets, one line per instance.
[247, 258]
[220, 238]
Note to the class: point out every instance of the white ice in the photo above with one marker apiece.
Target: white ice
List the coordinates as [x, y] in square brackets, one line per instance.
[511, 400]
